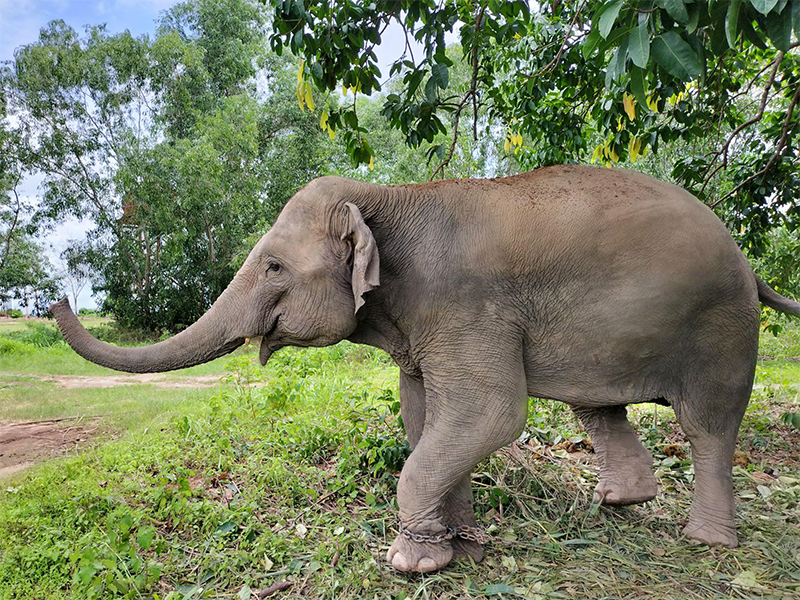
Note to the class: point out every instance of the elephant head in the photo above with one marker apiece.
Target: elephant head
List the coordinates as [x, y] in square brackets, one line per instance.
[302, 285]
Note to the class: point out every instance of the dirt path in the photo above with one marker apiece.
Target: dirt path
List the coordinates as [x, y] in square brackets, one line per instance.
[106, 381]
[22, 444]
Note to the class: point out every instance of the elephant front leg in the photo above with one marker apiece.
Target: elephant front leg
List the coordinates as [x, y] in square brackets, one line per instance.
[626, 466]
[470, 412]
[457, 506]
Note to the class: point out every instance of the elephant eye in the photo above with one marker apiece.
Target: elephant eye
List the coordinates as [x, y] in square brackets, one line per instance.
[274, 267]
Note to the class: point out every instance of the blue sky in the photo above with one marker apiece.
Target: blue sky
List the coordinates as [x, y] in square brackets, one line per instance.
[20, 20]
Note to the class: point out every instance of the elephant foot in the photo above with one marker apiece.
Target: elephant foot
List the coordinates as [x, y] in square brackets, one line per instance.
[419, 557]
[466, 550]
[710, 533]
[623, 490]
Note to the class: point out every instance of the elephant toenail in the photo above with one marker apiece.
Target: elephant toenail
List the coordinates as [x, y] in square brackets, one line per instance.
[400, 563]
[426, 564]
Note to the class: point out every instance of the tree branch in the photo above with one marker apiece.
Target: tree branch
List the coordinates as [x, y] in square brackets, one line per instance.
[759, 114]
[557, 58]
[779, 148]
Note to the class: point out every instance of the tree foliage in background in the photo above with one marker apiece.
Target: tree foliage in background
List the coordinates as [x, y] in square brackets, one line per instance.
[179, 150]
[26, 276]
[605, 81]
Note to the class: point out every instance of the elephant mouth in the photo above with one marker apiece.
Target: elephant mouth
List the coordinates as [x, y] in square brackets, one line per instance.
[269, 347]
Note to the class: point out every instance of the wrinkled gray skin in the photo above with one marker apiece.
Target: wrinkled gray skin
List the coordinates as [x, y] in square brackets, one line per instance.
[597, 287]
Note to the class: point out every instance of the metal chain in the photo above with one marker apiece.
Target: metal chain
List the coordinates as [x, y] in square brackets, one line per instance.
[474, 534]
[448, 534]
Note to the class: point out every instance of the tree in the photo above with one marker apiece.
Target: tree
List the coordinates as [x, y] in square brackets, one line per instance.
[76, 269]
[26, 276]
[12, 208]
[580, 80]
[178, 149]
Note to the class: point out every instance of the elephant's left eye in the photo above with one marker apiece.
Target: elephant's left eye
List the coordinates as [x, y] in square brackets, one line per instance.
[274, 267]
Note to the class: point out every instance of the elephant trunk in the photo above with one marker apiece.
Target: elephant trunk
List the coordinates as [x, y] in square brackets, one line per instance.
[215, 334]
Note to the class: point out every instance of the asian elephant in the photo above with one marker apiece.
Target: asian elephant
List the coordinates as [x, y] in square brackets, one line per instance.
[596, 287]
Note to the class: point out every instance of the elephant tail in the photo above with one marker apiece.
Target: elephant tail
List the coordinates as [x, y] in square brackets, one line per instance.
[774, 300]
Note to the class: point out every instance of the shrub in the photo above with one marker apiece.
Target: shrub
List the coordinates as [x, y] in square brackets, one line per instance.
[8, 346]
[39, 335]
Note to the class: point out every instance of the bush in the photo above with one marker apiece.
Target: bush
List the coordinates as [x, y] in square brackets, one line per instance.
[39, 335]
[112, 333]
[8, 346]
[14, 313]
[88, 312]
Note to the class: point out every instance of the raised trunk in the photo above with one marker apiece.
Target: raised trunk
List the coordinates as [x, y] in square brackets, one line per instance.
[216, 333]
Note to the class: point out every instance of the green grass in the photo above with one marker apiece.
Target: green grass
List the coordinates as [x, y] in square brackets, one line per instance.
[10, 325]
[289, 473]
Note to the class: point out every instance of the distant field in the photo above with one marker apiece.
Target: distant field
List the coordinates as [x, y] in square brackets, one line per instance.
[7, 325]
[228, 478]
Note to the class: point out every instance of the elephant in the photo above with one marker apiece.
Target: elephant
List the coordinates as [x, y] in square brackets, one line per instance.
[596, 287]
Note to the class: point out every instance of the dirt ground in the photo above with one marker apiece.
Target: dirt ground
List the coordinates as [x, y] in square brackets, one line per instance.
[22, 444]
[107, 381]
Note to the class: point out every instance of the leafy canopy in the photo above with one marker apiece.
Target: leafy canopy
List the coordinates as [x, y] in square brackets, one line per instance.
[604, 81]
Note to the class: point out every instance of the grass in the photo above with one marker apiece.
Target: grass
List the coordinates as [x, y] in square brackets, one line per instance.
[288, 474]
[11, 325]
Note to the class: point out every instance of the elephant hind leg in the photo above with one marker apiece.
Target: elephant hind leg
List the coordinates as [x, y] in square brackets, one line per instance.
[626, 466]
[712, 434]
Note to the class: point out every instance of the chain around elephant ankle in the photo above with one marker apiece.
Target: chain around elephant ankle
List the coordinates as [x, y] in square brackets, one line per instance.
[474, 534]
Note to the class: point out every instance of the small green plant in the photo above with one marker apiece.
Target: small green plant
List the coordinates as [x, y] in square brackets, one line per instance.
[378, 434]
[40, 335]
[8, 346]
[117, 566]
[791, 418]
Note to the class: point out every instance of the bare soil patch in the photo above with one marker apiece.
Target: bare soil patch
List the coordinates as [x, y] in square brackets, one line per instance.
[22, 444]
[105, 381]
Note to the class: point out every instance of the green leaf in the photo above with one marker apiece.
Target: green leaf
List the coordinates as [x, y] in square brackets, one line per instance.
[639, 45]
[699, 50]
[675, 56]
[637, 86]
[590, 43]
[732, 22]
[225, 528]
[430, 90]
[616, 67]
[779, 29]
[145, 537]
[752, 35]
[441, 75]
[763, 6]
[676, 9]
[796, 18]
[245, 593]
[608, 18]
[694, 18]
[498, 588]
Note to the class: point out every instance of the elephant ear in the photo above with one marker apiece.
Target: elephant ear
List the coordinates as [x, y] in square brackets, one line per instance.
[366, 262]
